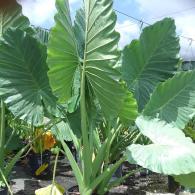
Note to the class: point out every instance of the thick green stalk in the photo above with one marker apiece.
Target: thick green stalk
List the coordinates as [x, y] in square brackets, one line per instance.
[2, 133]
[122, 179]
[87, 161]
[105, 177]
[87, 156]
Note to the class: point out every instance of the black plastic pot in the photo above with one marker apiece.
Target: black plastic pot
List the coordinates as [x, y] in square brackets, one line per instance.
[70, 145]
[75, 191]
[37, 160]
[3, 191]
[173, 185]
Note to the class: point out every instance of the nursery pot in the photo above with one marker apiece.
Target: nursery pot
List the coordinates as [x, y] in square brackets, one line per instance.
[172, 185]
[40, 160]
[4, 191]
[75, 191]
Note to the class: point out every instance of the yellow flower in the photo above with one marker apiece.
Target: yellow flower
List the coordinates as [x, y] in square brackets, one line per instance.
[48, 140]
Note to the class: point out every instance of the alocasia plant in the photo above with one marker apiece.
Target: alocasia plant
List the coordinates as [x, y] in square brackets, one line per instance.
[81, 58]
[10, 16]
[166, 101]
[27, 93]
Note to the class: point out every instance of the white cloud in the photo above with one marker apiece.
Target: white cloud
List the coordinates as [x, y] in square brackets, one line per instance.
[185, 28]
[183, 11]
[128, 31]
[156, 8]
[41, 12]
[73, 1]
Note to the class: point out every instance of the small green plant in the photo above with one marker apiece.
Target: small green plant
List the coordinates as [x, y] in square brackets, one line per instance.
[6, 165]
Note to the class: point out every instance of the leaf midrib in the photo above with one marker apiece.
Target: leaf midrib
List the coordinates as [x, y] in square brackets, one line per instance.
[172, 98]
[136, 79]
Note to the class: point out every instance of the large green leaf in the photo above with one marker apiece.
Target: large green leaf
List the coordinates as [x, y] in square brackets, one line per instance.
[23, 77]
[11, 16]
[171, 152]
[64, 131]
[42, 35]
[53, 189]
[174, 100]
[62, 53]
[187, 180]
[151, 59]
[97, 44]
[79, 30]
[100, 55]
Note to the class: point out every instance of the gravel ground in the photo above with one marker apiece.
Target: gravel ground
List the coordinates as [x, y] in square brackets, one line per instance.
[24, 184]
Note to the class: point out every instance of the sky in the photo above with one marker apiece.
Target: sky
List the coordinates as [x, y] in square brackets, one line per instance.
[41, 13]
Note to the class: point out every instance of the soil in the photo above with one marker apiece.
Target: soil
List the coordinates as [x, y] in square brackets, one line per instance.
[138, 184]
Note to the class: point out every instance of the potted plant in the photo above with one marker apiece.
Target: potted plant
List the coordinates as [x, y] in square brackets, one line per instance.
[40, 155]
[3, 189]
[54, 188]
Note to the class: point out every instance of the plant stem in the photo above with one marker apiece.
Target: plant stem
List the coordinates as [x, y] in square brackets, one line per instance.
[111, 139]
[2, 133]
[84, 128]
[87, 154]
[105, 177]
[120, 180]
[6, 183]
[10, 138]
[137, 137]
[54, 172]
[55, 166]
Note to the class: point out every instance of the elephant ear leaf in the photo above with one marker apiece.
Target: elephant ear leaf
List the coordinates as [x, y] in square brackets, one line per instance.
[173, 101]
[23, 77]
[79, 30]
[100, 55]
[151, 59]
[62, 52]
[11, 16]
[171, 153]
[187, 180]
[92, 45]
[42, 35]
[54, 189]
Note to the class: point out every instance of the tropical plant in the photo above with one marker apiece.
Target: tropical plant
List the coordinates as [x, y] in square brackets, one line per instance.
[166, 105]
[94, 61]
[54, 188]
[189, 130]
[35, 99]
[82, 86]
[11, 16]
[11, 127]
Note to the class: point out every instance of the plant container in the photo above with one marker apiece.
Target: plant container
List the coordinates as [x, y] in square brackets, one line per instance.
[173, 186]
[4, 191]
[40, 164]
